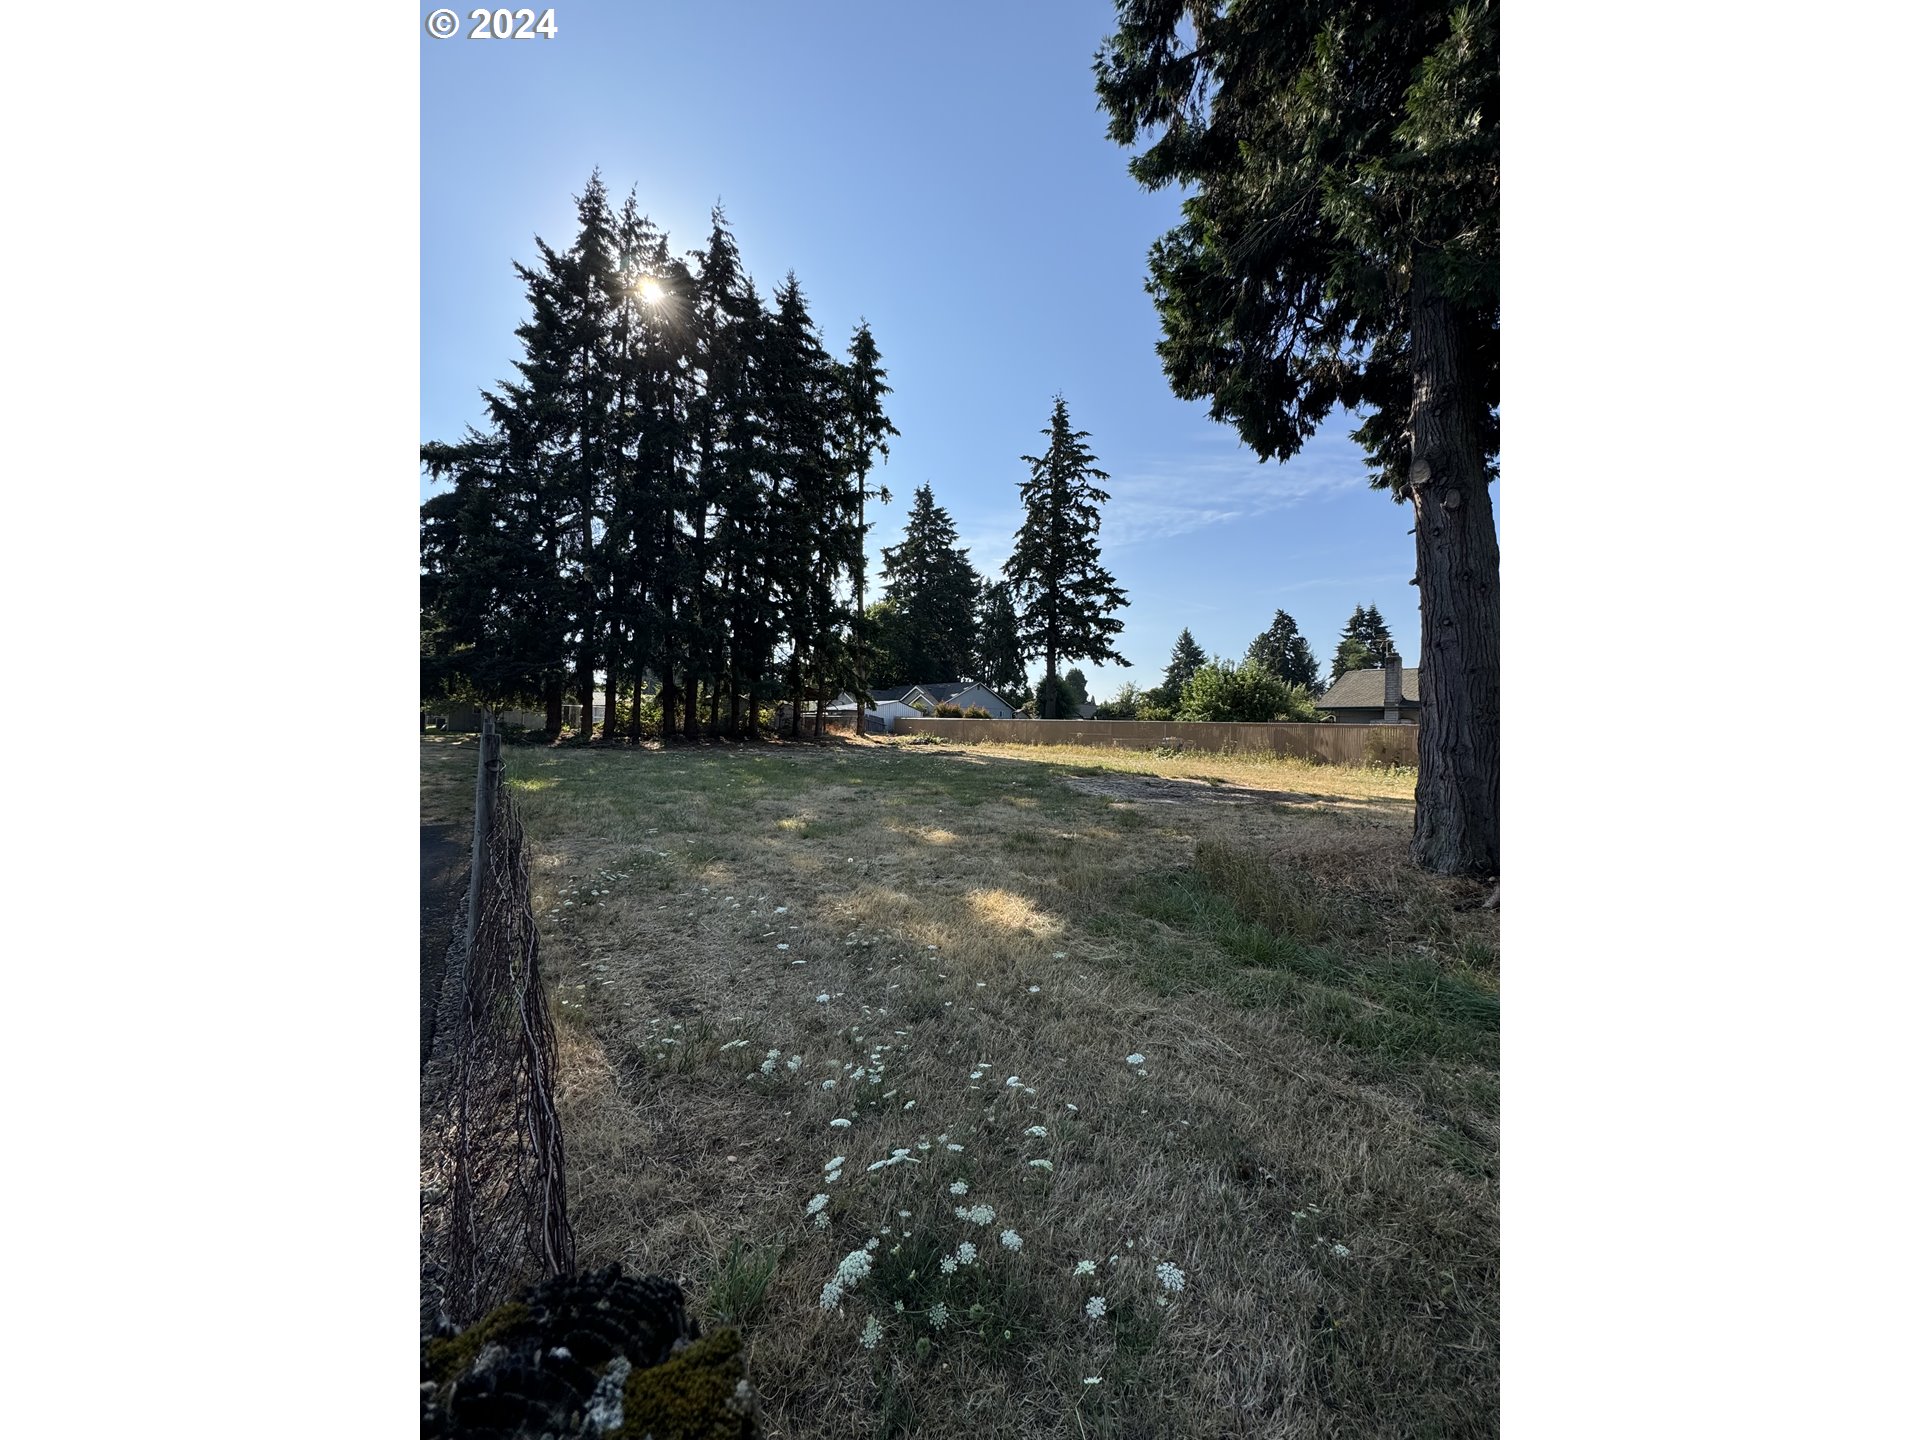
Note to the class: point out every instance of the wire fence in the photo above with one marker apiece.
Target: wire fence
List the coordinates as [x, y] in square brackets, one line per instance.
[494, 1214]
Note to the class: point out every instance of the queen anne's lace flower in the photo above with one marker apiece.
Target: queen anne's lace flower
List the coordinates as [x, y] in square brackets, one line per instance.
[959, 1187]
[1096, 1307]
[937, 1316]
[1011, 1239]
[1171, 1277]
[1038, 1132]
[870, 1336]
[965, 1252]
[1085, 1267]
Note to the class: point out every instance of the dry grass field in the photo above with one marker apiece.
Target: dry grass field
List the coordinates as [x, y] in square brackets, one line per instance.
[1147, 1096]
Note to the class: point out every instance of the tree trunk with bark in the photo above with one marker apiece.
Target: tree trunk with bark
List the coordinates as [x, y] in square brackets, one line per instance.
[556, 700]
[1456, 822]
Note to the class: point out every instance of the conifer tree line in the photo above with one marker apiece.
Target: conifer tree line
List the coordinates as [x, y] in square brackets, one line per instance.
[671, 491]
[1055, 601]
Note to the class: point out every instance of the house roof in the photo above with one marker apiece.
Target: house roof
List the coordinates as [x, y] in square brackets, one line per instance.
[942, 690]
[1367, 690]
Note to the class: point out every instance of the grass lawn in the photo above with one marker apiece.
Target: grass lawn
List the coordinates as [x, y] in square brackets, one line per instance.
[1194, 1020]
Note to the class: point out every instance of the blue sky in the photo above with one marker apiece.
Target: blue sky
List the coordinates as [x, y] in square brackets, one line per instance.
[944, 174]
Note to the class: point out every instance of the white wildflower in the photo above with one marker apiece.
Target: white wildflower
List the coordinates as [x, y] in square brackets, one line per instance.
[793, 1062]
[822, 998]
[1033, 989]
[830, 1295]
[1171, 1276]
[1091, 1380]
[836, 1162]
[1085, 1267]
[839, 1122]
[1136, 1059]
[870, 1336]
[818, 1203]
[1046, 1165]
[937, 1316]
[1342, 1251]
[959, 1187]
[1038, 1132]
[1013, 1080]
[828, 1084]
[1096, 1307]
[781, 946]
[1011, 1239]
[948, 1265]
[965, 1252]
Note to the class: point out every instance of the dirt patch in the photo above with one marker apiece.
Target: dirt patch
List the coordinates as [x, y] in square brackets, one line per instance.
[1148, 790]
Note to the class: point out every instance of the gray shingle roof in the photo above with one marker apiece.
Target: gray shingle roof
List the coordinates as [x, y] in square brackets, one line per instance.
[944, 690]
[1367, 690]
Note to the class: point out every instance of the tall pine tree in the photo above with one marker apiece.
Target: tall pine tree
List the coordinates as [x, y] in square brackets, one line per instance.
[1364, 644]
[865, 430]
[932, 585]
[1339, 250]
[1281, 650]
[1182, 665]
[1066, 598]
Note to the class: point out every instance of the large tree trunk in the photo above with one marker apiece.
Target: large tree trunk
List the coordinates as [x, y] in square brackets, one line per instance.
[753, 712]
[1456, 814]
[669, 702]
[556, 698]
[691, 729]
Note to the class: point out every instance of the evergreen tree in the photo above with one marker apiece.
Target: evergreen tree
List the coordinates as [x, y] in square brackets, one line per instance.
[866, 427]
[1282, 650]
[1000, 665]
[812, 506]
[493, 608]
[1364, 644]
[1339, 248]
[1187, 658]
[932, 585]
[1066, 598]
[1073, 686]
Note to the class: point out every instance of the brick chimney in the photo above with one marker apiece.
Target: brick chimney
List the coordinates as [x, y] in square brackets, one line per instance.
[1392, 712]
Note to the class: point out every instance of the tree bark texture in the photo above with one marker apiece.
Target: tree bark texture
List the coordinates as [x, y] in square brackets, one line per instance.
[1456, 823]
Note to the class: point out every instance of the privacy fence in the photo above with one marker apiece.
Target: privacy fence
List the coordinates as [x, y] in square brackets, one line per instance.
[493, 1168]
[1332, 743]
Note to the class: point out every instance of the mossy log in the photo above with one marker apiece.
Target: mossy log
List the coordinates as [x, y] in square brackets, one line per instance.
[595, 1355]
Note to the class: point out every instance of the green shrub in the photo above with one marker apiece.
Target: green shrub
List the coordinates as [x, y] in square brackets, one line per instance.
[974, 712]
[1250, 693]
[946, 711]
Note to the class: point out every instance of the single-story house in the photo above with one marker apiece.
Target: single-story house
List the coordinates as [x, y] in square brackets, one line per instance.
[1375, 697]
[946, 692]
